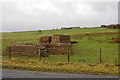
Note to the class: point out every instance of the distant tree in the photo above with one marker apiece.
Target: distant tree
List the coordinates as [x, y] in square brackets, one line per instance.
[40, 31]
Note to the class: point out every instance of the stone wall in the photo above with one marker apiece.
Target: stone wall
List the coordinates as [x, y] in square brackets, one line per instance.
[60, 39]
[56, 44]
[45, 39]
[24, 49]
[60, 44]
[60, 48]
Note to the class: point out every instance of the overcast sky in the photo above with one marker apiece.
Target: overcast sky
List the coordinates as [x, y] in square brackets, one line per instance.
[48, 14]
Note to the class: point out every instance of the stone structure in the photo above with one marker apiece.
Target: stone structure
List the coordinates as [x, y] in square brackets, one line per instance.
[23, 49]
[45, 39]
[56, 44]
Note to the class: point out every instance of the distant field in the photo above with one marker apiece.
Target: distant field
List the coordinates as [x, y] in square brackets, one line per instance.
[85, 51]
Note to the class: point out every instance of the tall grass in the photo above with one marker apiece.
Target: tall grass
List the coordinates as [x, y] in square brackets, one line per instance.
[34, 65]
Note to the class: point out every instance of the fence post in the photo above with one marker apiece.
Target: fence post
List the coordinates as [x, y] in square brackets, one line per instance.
[100, 55]
[68, 57]
[39, 53]
[9, 53]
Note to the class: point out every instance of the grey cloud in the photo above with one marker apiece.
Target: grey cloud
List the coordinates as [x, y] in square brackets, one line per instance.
[54, 14]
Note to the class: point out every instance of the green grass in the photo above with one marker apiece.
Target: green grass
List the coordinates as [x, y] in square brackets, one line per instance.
[85, 51]
[35, 34]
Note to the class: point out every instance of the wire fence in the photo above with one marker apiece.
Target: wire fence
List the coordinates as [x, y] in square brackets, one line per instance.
[100, 57]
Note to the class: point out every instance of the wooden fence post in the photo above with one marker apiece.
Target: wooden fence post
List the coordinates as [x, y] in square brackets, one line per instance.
[100, 55]
[68, 57]
[9, 53]
[39, 53]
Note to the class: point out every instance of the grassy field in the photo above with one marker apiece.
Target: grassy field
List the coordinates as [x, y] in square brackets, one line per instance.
[86, 51]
